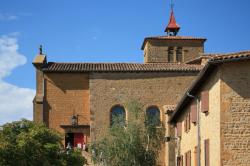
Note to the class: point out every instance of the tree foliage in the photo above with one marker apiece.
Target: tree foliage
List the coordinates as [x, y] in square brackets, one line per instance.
[26, 143]
[136, 144]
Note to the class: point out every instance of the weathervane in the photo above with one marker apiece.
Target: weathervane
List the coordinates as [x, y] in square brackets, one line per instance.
[40, 49]
[172, 4]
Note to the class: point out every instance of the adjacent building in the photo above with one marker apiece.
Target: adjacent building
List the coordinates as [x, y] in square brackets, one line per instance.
[213, 117]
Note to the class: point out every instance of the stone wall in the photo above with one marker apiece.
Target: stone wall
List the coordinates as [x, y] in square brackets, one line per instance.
[38, 105]
[66, 94]
[235, 114]
[150, 89]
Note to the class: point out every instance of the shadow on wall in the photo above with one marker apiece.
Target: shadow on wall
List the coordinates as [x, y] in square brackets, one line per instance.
[236, 76]
[68, 81]
[141, 75]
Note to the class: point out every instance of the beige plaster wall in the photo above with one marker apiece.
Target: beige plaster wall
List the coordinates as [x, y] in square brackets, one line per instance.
[209, 126]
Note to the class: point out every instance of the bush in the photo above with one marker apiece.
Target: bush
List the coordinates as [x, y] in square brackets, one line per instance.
[30, 144]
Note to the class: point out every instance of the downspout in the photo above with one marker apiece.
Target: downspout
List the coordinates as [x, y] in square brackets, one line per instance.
[198, 127]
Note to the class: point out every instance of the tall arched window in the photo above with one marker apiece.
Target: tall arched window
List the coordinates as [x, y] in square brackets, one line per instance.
[117, 116]
[153, 116]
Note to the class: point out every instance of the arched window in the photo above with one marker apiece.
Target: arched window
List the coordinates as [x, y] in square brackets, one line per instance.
[117, 116]
[153, 116]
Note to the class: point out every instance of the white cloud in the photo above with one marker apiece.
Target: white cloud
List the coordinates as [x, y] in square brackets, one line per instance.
[15, 102]
[7, 17]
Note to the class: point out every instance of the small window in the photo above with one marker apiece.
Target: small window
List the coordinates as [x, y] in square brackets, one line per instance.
[188, 158]
[153, 116]
[206, 149]
[117, 116]
[187, 124]
[205, 101]
[180, 160]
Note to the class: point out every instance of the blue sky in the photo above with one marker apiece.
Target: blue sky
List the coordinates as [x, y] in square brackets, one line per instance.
[101, 31]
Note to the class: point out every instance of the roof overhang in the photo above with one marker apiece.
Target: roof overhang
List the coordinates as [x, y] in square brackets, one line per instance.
[171, 38]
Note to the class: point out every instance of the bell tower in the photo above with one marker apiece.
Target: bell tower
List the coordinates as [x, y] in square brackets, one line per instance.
[172, 48]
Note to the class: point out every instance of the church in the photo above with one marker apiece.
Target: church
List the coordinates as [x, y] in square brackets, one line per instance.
[201, 98]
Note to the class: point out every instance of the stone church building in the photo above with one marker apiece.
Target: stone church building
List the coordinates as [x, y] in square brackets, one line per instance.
[80, 99]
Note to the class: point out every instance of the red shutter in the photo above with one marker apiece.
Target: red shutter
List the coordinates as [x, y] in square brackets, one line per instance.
[180, 160]
[185, 124]
[188, 158]
[194, 113]
[204, 101]
[206, 144]
[179, 126]
[188, 121]
[195, 156]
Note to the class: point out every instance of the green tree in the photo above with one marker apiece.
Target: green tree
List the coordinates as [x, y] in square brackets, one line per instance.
[25, 143]
[137, 143]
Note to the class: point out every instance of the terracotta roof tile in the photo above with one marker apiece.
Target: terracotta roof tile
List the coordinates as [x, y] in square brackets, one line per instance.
[231, 56]
[118, 67]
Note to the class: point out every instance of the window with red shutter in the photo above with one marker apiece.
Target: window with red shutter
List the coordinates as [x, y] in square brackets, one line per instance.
[204, 101]
[188, 158]
[185, 124]
[178, 127]
[188, 121]
[180, 160]
[194, 113]
[206, 145]
[195, 156]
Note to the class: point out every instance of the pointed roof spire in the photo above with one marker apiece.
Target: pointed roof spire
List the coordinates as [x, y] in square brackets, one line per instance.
[172, 28]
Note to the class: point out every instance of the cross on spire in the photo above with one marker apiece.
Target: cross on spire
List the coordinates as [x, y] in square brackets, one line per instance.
[172, 28]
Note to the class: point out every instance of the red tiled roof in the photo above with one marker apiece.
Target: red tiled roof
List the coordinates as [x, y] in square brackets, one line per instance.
[172, 23]
[220, 56]
[171, 38]
[231, 56]
[119, 67]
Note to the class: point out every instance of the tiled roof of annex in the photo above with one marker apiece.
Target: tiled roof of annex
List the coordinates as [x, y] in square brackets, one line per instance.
[120, 67]
[220, 56]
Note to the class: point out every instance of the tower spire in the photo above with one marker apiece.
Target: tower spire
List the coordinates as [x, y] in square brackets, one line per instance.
[172, 28]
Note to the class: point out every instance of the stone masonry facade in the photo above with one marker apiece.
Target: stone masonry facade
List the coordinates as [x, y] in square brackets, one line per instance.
[235, 114]
[110, 89]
